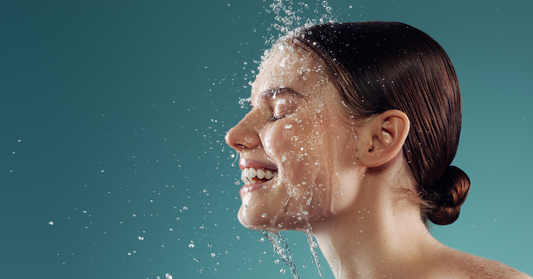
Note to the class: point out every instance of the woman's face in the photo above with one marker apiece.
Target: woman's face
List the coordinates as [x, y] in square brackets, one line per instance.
[296, 145]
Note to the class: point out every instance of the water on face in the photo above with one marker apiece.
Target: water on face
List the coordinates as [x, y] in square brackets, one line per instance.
[288, 18]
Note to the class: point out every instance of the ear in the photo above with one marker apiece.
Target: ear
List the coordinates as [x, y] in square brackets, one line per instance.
[384, 137]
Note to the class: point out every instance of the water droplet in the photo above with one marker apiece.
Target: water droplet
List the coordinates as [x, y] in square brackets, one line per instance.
[191, 245]
[282, 249]
[313, 244]
[288, 126]
[212, 255]
[209, 245]
[238, 238]
[264, 215]
[360, 231]
[52, 223]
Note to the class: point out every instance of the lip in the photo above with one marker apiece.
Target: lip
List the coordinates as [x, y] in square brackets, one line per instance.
[247, 188]
[256, 164]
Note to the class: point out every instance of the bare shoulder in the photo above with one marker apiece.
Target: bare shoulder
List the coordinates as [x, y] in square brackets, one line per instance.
[471, 266]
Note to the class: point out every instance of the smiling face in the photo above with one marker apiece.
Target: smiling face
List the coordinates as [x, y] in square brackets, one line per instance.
[296, 145]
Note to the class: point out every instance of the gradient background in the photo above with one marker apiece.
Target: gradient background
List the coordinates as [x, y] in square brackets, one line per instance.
[113, 113]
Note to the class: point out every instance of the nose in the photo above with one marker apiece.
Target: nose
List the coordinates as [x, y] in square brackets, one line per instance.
[243, 136]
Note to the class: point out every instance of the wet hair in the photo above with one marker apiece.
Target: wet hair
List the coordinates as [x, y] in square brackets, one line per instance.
[380, 66]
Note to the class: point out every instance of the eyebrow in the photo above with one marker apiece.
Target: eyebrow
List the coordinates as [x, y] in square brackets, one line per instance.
[282, 90]
[275, 91]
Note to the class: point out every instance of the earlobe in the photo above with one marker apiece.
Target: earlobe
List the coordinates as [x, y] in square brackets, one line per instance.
[386, 134]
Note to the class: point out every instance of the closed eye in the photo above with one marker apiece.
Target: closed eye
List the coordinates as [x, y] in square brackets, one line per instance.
[275, 118]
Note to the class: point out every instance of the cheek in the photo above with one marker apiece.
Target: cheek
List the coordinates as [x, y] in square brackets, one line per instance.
[293, 144]
[301, 153]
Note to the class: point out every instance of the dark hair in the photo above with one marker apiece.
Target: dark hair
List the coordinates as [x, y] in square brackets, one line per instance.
[379, 66]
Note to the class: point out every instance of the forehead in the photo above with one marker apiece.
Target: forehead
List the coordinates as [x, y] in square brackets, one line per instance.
[288, 67]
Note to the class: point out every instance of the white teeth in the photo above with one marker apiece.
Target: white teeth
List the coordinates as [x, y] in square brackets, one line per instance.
[260, 173]
[249, 173]
[268, 174]
[244, 174]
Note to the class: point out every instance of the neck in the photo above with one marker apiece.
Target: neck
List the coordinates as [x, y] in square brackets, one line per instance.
[378, 236]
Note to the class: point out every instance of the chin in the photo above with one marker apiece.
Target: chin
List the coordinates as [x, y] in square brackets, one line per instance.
[255, 220]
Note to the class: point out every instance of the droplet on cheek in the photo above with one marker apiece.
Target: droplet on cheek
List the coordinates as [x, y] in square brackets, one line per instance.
[282, 64]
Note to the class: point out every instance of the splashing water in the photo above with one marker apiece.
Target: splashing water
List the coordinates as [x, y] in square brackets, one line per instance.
[290, 18]
[313, 245]
[282, 249]
[244, 102]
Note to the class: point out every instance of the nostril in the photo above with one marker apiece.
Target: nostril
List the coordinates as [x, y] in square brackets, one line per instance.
[242, 137]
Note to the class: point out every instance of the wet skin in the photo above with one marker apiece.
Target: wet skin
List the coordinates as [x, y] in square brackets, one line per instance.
[297, 127]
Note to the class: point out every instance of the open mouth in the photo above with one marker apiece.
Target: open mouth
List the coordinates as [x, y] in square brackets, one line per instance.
[252, 176]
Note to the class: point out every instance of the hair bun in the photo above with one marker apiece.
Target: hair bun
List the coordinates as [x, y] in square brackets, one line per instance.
[450, 193]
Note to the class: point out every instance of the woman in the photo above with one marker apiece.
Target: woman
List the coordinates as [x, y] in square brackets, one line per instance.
[351, 132]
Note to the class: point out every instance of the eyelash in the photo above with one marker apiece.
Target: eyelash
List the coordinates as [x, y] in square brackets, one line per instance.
[274, 118]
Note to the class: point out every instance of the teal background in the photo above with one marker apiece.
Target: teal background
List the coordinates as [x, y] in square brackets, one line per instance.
[112, 124]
